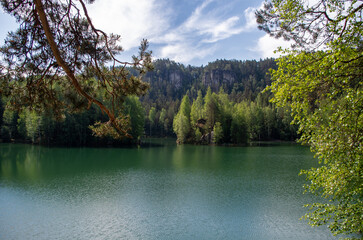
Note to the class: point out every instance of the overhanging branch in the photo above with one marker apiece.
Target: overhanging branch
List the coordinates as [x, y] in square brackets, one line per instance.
[70, 74]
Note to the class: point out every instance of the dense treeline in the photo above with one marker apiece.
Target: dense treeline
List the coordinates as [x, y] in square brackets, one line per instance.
[215, 119]
[241, 83]
[225, 93]
[72, 130]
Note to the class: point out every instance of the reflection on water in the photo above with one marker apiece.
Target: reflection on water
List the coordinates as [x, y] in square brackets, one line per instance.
[20, 163]
[161, 191]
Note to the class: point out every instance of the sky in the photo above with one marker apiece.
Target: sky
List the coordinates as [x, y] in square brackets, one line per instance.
[192, 32]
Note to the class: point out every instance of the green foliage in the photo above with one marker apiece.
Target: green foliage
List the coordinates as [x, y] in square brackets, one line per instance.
[161, 104]
[269, 120]
[33, 124]
[210, 109]
[170, 81]
[135, 111]
[163, 121]
[223, 121]
[327, 105]
[218, 133]
[324, 91]
[254, 118]
[104, 130]
[72, 128]
[185, 106]
[152, 114]
[225, 114]
[181, 124]
[152, 118]
[196, 109]
[181, 127]
[29, 123]
[197, 135]
[162, 116]
[9, 128]
[1, 113]
[239, 129]
[21, 125]
[44, 69]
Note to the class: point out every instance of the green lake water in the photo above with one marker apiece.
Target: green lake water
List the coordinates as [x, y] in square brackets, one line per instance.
[161, 191]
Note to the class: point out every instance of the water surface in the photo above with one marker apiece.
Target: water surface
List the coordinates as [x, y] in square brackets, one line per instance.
[162, 191]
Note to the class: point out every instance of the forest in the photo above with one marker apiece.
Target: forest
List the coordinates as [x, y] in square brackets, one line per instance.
[226, 94]
[57, 89]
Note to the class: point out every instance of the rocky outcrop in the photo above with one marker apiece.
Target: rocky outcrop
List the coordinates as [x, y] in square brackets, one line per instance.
[216, 78]
[175, 79]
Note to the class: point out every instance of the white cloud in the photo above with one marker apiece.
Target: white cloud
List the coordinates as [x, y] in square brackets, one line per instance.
[133, 20]
[222, 30]
[196, 20]
[266, 46]
[251, 23]
[197, 36]
[184, 52]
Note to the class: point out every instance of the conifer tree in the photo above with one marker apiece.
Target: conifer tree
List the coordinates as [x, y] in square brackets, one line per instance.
[50, 59]
[196, 109]
[181, 124]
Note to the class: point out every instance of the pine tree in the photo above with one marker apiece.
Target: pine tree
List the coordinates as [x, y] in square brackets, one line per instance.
[60, 50]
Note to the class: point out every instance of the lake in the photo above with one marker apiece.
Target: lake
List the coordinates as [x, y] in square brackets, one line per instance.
[159, 191]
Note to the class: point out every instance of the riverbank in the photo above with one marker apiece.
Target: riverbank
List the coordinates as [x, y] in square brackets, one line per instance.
[152, 142]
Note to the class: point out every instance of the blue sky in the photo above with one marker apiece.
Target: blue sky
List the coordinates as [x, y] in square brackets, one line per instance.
[191, 32]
